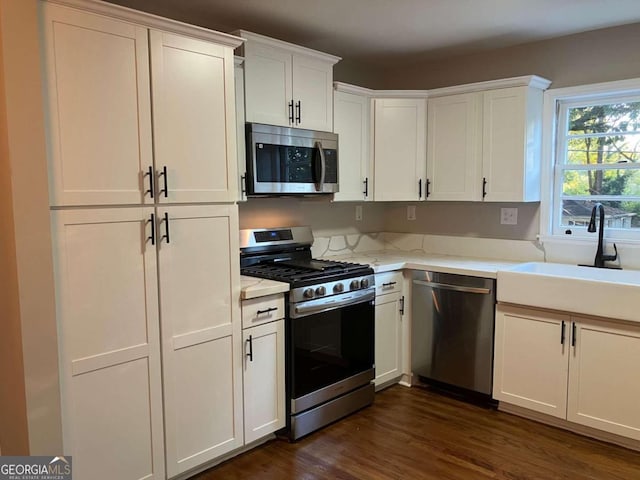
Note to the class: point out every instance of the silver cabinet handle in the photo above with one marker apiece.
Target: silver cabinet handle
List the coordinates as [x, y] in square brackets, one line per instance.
[323, 167]
[455, 288]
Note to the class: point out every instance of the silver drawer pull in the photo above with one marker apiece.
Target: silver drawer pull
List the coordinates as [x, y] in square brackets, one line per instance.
[456, 288]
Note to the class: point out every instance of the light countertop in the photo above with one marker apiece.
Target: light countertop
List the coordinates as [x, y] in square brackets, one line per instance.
[252, 287]
[386, 261]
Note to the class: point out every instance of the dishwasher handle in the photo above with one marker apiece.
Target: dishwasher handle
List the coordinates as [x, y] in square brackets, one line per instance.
[455, 288]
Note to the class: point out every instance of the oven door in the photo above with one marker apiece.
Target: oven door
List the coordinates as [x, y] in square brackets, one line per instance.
[331, 350]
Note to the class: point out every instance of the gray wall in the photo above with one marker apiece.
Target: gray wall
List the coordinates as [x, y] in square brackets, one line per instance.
[590, 57]
[466, 219]
[325, 217]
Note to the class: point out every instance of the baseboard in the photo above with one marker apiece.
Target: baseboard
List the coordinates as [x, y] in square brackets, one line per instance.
[224, 458]
[573, 427]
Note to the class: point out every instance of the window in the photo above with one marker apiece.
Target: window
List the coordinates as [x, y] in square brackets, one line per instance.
[597, 160]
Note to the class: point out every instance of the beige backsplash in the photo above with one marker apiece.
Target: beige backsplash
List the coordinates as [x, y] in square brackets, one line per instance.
[448, 228]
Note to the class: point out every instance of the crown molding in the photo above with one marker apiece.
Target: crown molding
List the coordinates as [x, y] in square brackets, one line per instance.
[150, 21]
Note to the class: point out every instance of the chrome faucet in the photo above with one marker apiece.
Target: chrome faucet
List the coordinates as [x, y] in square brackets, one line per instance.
[601, 258]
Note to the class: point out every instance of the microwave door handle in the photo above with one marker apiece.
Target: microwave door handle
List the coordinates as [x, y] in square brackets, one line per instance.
[323, 167]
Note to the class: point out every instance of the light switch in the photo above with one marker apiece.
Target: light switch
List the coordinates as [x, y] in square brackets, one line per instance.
[358, 213]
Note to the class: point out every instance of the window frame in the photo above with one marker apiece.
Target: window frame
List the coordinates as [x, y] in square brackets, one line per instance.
[556, 103]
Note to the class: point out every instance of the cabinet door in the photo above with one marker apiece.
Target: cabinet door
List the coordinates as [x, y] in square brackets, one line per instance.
[267, 81]
[454, 147]
[313, 93]
[98, 108]
[264, 390]
[194, 119]
[200, 317]
[603, 377]
[399, 149]
[511, 146]
[240, 131]
[351, 121]
[531, 359]
[107, 301]
[388, 344]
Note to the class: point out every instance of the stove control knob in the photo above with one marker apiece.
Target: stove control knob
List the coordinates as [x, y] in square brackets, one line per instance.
[355, 285]
[321, 291]
[364, 283]
[308, 293]
[338, 287]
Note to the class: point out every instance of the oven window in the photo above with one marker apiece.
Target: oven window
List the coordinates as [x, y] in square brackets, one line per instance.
[289, 164]
[331, 346]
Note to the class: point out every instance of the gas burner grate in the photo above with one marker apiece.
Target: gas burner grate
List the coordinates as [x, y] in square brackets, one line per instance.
[304, 270]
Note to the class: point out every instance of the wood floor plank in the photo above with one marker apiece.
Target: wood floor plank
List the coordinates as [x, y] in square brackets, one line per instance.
[413, 433]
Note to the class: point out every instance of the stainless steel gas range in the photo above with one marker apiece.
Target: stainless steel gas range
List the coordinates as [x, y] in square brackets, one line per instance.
[329, 328]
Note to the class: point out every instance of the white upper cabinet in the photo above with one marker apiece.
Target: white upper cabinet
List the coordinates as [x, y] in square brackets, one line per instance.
[287, 85]
[98, 108]
[454, 147]
[194, 119]
[400, 149]
[98, 83]
[511, 149]
[240, 133]
[484, 141]
[352, 123]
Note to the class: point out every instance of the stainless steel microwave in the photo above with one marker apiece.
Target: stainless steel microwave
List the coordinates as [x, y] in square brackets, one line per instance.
[282, 160]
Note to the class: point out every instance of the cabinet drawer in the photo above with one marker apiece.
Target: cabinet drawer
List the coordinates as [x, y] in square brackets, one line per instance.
[389, 282]
[257, 311]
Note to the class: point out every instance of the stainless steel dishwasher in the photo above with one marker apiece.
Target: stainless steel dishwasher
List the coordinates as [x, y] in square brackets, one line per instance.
[452, 330]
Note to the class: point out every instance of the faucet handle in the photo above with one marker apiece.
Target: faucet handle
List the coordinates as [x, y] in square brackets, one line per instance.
[611, 258]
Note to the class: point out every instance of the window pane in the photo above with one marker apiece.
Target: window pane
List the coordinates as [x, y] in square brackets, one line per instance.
[577, 213]
[601, 182]
[608, 150]
[612, 117]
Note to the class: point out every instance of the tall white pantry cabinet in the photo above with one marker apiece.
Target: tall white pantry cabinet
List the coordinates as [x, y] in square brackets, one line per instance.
[142, 168]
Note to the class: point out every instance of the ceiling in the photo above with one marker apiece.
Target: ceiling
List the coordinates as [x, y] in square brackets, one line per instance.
[393, 32]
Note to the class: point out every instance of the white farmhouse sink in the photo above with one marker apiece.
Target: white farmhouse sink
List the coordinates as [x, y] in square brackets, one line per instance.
[590, 291]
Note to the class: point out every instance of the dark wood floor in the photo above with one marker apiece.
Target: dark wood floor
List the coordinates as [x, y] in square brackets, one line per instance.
[412, 433]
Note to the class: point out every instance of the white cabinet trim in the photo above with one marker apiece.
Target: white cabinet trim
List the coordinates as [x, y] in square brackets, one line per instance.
[152, 21]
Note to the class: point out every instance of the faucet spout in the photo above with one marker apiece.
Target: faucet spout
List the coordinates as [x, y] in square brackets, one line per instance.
[601, 258]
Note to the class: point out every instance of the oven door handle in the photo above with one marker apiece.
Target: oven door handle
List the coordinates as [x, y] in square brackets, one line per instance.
[323, 167]
[455, 288]
[304, 309]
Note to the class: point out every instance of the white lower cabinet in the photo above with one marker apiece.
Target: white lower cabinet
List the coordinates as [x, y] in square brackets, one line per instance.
[580, 369]
[109, 265]
[531, 360]
[109, 344]
[264, 383]
[604, 385]
[201, 325]
[388, 328]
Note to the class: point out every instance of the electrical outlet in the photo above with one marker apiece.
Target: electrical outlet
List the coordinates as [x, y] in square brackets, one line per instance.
[358, 213]
[411, 212]
[508, 216]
